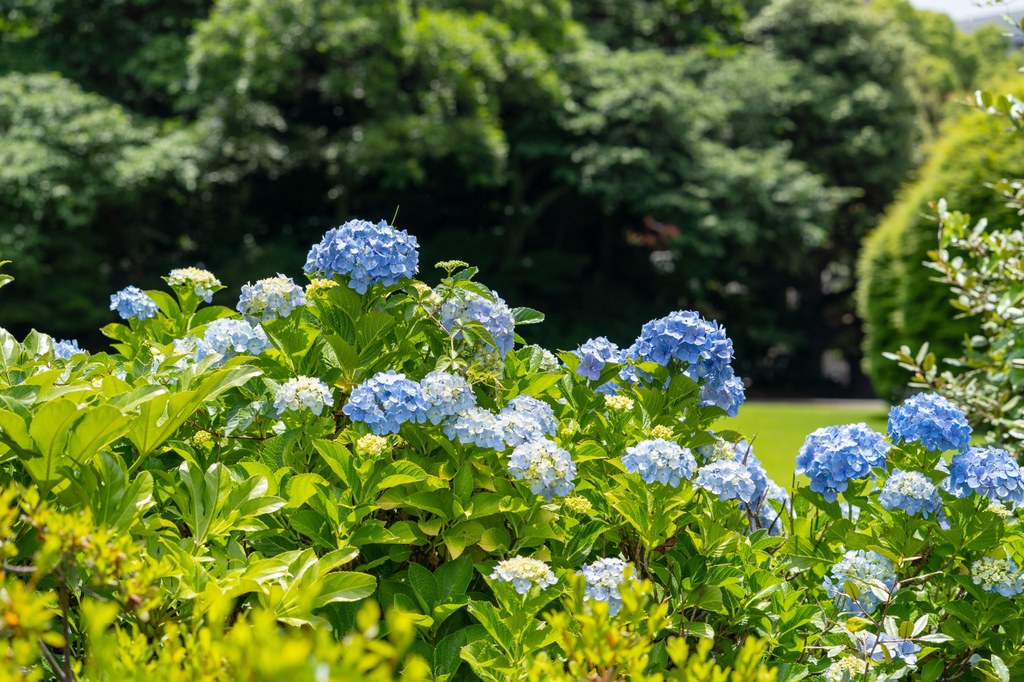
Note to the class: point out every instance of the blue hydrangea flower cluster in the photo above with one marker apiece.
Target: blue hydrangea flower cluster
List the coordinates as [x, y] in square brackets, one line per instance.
[861, 568]
[834, 455]
[131, 303]
[386, 401]
[660, 461]
[523, 573]
[493, 315]
[912, 492]
[545, 467]
[525, 419]
[446, 395]
[932, 421]
[878, 646]
[1000, 576]
[728, 479]
[303, 393]
[367, 254]
[64, 349]
[594, 355]
[725, 391]
[703, 348]
[270, 298]
[227, 337]
[603, 579]
[477, 426]
[685, 336]
[989, 472]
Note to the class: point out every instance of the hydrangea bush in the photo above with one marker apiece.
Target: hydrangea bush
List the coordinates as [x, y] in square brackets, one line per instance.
[382, 465]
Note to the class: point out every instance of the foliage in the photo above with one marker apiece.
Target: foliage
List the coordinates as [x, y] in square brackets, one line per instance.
[983, 269]
[604, 141]
[896, 299]
[55, 135]
[174, 510]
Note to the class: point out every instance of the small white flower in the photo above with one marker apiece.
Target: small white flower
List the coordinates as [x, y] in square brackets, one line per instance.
[523, 573]
[303, 393]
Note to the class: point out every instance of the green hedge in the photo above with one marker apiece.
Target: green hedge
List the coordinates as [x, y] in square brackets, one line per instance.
[895, 297]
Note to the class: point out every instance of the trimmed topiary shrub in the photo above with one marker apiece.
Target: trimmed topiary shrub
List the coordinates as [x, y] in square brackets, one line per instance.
[896, 298]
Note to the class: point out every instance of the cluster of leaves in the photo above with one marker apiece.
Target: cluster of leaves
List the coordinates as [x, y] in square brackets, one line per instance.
[602, 139]
[984, 270]
[158, 502]
[899, 302]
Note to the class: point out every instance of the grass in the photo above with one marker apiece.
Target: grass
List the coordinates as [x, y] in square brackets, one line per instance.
[781, 427]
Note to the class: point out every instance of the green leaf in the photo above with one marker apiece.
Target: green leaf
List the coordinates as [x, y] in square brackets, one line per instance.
[453, 578]
[344, 586]
[461, 535]
[424, 587]
[98, 428]
[163, 414]
[14, 431]
[491, 620]
[527, 316]
[1000, 669]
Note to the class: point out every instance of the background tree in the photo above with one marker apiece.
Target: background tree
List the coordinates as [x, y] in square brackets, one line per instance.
[595, 141]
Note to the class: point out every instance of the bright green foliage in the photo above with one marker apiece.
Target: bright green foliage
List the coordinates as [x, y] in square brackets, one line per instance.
[896, 298]
[160, 517]
[597, 646]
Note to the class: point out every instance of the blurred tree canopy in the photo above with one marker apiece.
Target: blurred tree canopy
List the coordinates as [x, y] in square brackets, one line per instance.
[723, 155]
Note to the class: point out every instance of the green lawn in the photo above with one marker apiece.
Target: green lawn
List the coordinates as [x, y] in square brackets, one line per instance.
[780, 428]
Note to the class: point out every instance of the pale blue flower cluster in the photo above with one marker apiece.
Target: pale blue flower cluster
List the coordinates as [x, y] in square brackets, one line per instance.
[603, 579]
[989, 472]
[270, 298]
[912, 492]
[446, 395]
[594, 355]
[367, 254]
[545, 467]
[725, 391]
[834, 455]
[65, 348]
[131, 303]
[523, 573]
[861, 568]
[932, 421]
[701, 346]
[493, 315]
[386, 401]
[525, 419]
[743, 453]
[303, 393]
[1000, 576]
[476, 426]
[728, 479]
[227, 337]
[660, 461]
[884, 646]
